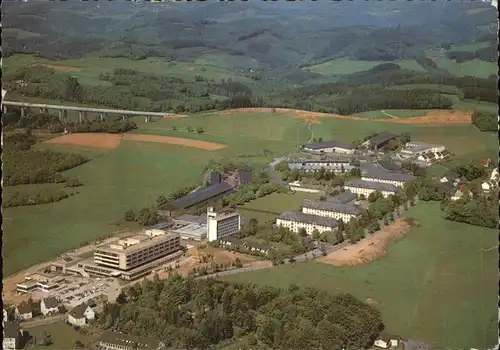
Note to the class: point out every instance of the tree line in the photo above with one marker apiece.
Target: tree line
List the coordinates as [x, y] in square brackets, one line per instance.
[194, 314]
[488, 54]
[23, 165]
[485, 121]
[42, 196]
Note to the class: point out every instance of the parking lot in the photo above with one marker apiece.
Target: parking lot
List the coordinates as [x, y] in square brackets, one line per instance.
[78, 290]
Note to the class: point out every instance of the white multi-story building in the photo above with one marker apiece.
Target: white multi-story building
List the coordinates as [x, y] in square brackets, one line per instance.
[295, 221]
[366, 187]
[395, 179]
[415, 148]
[222, 224]
[307, 165]
[344, 212]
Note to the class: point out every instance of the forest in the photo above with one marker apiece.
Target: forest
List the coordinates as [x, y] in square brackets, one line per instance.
[43, 196]
[24, 165]
[485, 121]
[197, 314]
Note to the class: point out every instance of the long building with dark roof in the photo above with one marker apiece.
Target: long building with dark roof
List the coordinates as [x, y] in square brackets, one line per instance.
[362, 187]
[295, 221]
[329, 147]
[198, 197]
[308, 165]
[346, 197]
[337, 211]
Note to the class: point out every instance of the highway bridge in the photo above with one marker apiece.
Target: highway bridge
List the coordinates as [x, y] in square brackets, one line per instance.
[82, 111]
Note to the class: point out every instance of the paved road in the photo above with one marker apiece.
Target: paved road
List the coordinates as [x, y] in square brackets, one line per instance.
[84, 109]
[314, 254]
[43, 321]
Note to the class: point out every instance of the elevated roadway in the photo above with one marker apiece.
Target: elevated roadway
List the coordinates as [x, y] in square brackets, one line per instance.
[62, 110]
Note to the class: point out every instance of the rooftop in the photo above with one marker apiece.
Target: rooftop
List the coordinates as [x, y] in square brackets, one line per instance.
[50, 302]
[382, 137]
[329, 206]
[128, 340]
[328, 144]
[24, 308]
[79, 311]
[389, 165]
[192, 219]
[199, 196]
[191, 229]
[417, 146]
[11, 329]
[378, 186]
[342, 197]
[385, 175]
[308, 218]
[137, 241]
[325, 162]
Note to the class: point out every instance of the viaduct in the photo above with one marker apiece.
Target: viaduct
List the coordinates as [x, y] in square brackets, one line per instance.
[82, 111]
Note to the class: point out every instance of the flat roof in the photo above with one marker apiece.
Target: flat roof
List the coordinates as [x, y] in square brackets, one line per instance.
[144, 241]
[191, 229]
[123, 339]
[192, 219]
[342, 197]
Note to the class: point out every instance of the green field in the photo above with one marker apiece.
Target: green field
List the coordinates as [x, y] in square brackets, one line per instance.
[474, 68]
[275, 203]
[221, 59]
[263, 126]
[434, 285]
[63, 336]
[346, 66]
[129, 177]
[88, 69]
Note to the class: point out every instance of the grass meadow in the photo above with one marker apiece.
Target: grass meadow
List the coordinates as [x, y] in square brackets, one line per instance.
[435, 284]
[390, 113]
[136, 173]
[268, 208]
[346, 66]
[63, 336]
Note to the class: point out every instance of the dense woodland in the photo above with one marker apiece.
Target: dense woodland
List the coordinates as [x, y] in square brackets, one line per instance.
[43, 196]
[24, 165]
[197, 314]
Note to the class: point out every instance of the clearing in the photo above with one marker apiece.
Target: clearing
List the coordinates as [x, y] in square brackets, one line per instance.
[433, 116]
[205, 145]
[372, 247]
[62, 68]
[438, 283]
[111, 141]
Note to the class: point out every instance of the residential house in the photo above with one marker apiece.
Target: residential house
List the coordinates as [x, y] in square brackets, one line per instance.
[346, 197]
[362, 187]
[329, 147]
[111, 340]
[380, 140]
[344, 212]
[386, 341]
[80, 315]
[295, 221]
[486, 162]
[12, 336]
[492, 183]
[5, 316]
[49, 305]
[460, 192]
[24, 311]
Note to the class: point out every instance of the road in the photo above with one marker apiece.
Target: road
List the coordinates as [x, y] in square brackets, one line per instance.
[84, 109]
[43, 321]
[314, 254]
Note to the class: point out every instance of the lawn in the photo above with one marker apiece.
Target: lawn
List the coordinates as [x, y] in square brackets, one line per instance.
[346, 66]
[268, 208]
[63, 336]
[434, 285]
[473, 105]
[474, 68]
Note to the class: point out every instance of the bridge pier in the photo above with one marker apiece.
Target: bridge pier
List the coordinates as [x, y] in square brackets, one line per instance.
[4, 109]
[60, 114]
[22, 112]
[147, 119]
[102, 116]
[82, 115]
[124, 117]
[44, 110]
[65, 115]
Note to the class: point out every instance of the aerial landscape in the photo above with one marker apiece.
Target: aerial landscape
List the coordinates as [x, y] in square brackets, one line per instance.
[250, 175]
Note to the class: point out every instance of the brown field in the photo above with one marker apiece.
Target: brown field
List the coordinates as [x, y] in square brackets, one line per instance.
[62, 68]
[436, 116]
[370, 248]
[111, 141]
[205, 145]
[101, 140]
